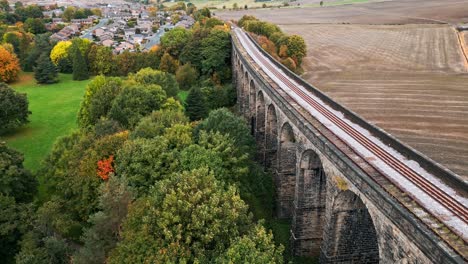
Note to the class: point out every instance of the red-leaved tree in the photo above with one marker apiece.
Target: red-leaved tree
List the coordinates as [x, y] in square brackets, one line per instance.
[105, 167]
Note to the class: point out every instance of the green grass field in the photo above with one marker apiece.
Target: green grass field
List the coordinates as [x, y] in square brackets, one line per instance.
[54, 108]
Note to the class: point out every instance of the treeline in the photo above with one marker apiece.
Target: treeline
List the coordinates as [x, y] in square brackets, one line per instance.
[140, 182]
[289, 50]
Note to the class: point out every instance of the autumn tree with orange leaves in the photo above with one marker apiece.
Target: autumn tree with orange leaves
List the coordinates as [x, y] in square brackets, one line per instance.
[9, 66]
[105, 167]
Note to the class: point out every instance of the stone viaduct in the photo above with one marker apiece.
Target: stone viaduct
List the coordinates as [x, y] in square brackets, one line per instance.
[337, 212]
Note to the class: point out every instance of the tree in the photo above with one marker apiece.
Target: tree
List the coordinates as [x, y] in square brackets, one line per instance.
[102, 235]
[195, 105]
[80, 69]
[157, 123]
[186, 76]
[98, 98]
[188, 217]
[9, 66]
[69, 13]
[175, 40]
[60, 51]
[45, 72]
[101, 60]
[216, 51]
[35, 25]
[14, 107]
[290, 64]
[219, 154]
[168, 63]
[135, 102]
[14, 222]
[166, 80]
[256, 247]
[71, 178]
[225, 122]
[41, 45]
[15, 180]
[297, 48]
[143, 162]
[212, 22]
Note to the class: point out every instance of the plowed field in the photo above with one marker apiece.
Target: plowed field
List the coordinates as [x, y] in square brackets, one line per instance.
[397, 64]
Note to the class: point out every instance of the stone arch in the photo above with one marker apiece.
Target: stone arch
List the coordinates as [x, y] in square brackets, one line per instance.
[286, 176]
[252, 104]
[260, 127]
[350, 236]
[309, 205]
[271, 151]
[245, 91]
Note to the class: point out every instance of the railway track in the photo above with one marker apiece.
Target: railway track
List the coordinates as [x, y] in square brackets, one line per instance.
[443, 198]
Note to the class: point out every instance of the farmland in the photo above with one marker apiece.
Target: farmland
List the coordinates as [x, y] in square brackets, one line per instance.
[399, 64]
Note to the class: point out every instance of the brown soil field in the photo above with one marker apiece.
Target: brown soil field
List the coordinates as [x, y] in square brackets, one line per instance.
[382, 12]
[409, 78]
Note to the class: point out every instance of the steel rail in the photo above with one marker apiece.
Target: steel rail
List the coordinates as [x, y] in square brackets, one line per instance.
[422, 183]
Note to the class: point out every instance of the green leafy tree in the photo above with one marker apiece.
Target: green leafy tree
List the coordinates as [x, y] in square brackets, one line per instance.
[98, 98]
[216, 51]
[225, 122]
[192, 51]
[103, 234]
[256, 247]
[135, 102]
[297, 48]
[186, 76]
[157, 123]
[71, 176]
[45, 71]
[41, 45]
[175, 40]
[143, 162]
[80, 69]
[15, 180]
[101, 60]
[195, 105]
[14, 107]
[168, 63]
[188, 217]
[14, 222]
[215, 151]
[35, 25]
[166, 80]
[212, 22]
[244, 19]
[40, 244]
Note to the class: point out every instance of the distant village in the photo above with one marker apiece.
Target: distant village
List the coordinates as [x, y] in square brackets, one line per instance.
[122, 26]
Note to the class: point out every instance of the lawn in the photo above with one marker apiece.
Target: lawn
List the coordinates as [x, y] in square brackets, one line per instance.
[54, 108]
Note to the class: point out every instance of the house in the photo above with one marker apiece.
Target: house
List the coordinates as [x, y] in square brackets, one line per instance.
[66, 33]
[108, 43]
[124, 46]
[84, 21]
